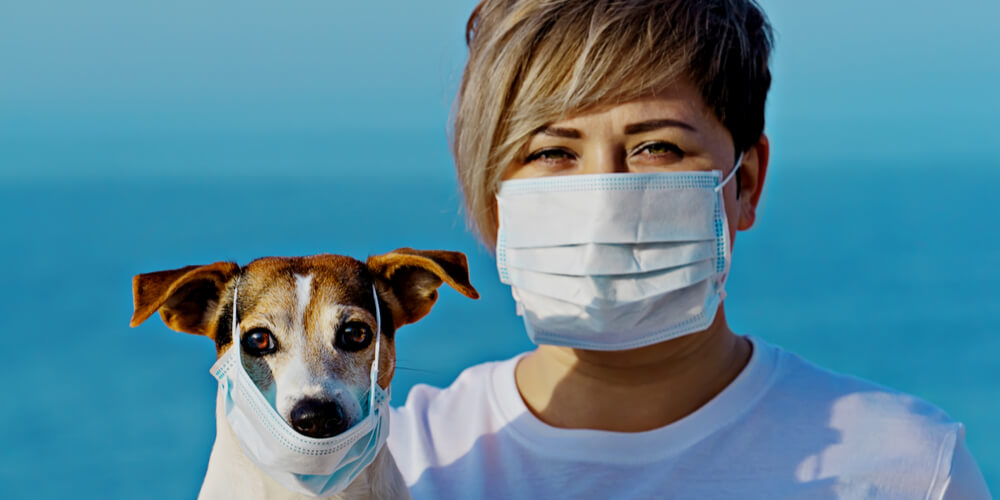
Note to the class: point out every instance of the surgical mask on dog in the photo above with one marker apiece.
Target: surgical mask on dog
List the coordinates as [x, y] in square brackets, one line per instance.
[317, 467]
[614, 261]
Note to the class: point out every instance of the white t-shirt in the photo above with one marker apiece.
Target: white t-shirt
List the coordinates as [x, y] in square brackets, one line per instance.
[784, 428]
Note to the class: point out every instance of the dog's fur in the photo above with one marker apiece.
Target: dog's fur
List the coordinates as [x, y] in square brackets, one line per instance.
[303, 302]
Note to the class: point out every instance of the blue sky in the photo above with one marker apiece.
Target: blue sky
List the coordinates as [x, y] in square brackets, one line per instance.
[315, 87]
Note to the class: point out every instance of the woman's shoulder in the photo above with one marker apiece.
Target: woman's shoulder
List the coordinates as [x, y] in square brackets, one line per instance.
[470, 388]
[438, 426]
[856, 428]
[848, 400]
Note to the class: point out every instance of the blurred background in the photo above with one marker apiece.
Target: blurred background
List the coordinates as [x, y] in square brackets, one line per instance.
[142, 136]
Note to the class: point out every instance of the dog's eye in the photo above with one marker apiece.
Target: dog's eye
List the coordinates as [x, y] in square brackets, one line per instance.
[354, 336]
[259, 342]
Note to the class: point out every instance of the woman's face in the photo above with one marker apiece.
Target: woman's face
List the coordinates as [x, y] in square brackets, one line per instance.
[673, 131]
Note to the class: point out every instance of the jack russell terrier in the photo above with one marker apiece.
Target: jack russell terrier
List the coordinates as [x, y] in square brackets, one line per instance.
[306, 353]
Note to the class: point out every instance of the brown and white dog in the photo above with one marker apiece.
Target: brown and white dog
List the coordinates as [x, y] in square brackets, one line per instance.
[306, 327]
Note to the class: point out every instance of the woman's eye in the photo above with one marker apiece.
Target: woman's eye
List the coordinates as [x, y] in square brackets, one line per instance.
[259, 342]
[353, 336]
[659, 149]
[549, 155]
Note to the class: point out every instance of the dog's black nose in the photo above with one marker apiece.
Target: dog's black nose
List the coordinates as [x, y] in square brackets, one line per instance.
[318, 419]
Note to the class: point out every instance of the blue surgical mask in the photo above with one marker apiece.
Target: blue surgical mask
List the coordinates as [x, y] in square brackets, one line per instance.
[317, 467]
[615, 261]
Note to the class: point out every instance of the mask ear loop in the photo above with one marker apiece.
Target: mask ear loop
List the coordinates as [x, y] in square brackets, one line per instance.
[378, 345]
[234, 337]
[732, 173]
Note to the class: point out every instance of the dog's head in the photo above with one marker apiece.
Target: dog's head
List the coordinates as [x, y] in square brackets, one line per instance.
[306, 324]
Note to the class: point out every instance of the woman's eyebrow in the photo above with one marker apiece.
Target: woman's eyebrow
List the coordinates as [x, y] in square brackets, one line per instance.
[650, 125]
[565, 133]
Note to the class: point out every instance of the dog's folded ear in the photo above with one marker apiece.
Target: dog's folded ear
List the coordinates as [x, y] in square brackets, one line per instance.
[414, 277]
[186, 297]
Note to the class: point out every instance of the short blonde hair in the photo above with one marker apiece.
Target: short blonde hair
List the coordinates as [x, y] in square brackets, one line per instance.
[532, 62]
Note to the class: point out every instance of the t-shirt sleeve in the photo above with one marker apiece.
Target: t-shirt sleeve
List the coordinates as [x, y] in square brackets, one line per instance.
[965, 480]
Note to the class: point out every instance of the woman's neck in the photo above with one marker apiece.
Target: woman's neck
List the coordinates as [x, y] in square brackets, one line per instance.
[634, 390]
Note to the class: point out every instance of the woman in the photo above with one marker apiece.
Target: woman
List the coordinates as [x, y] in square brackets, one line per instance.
[611, 150]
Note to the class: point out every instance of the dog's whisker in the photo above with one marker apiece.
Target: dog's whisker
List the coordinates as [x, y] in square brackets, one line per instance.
[421, 370]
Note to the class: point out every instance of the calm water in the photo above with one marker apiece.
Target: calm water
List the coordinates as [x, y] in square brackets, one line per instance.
[887, 274]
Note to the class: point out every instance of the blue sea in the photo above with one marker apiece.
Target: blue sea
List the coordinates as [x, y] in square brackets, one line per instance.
[887, 273]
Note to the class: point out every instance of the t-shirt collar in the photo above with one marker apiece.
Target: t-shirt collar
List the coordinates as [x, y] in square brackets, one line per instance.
[633, 447]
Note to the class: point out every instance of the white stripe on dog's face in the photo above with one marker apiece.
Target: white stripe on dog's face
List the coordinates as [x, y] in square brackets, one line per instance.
[303, 294]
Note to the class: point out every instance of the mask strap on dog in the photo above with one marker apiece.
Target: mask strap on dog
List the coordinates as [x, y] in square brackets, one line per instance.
[236, 293]
[378, 345]
[739, 161]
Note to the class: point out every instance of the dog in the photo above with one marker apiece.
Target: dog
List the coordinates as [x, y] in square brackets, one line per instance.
[306, 327]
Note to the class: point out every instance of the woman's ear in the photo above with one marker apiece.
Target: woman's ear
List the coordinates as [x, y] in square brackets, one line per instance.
[186, 297]
[413, 277]
[752, 175]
